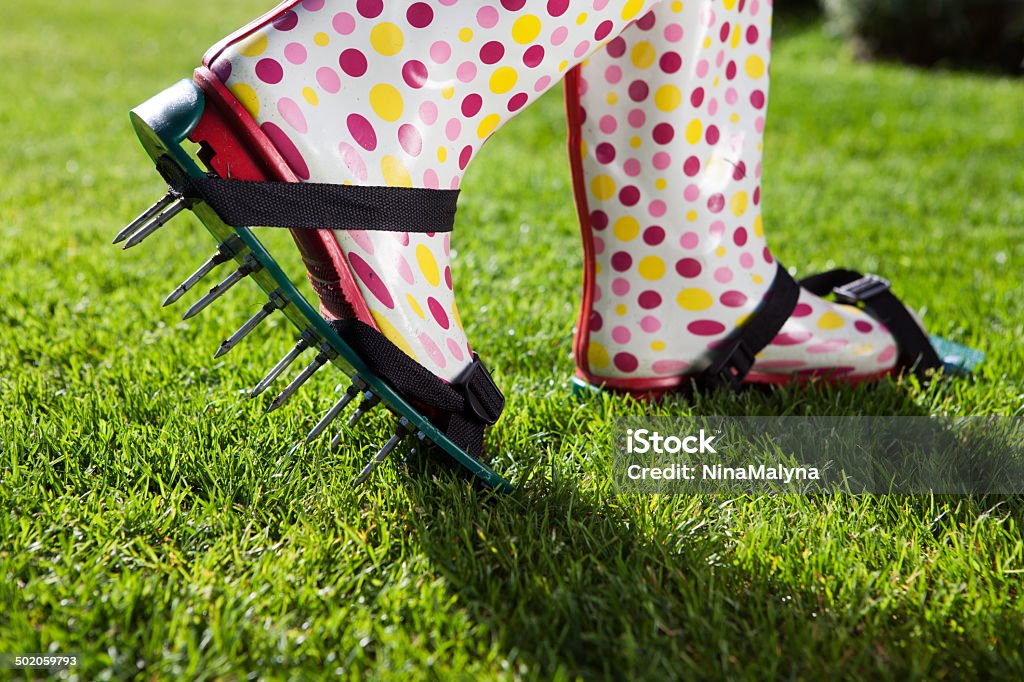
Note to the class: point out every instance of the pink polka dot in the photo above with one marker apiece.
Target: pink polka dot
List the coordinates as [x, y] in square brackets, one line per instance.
[621, 335]
[343, 23]
[791, 338]
[830, 346]
[428, 112]
[433, 352]
[650, 324]
[542, 83]
[613, 74]
[440, 52]
[466, 72]
[669, 366]
[657, 208]
[410, 139]
[292, 114]
[328, 79]
[453, 129]
[620, 286]
[295, 53]
[353, 161]
[559, 35]
[361, 238]
[430, 179]
[487, 17]
[689, 240]
[661, 160]
[723, 275]
[632, 168]
[887, 355]
[746, 260]
[608, 124]
[733, 299]
[313, 5]
[402, 266]
[673, 33]
[581, 49]
[637, 118]
[691, 193]
[455, 350]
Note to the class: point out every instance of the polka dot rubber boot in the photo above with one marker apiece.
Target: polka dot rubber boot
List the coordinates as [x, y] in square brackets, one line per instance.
[666, 141]
[401, 94]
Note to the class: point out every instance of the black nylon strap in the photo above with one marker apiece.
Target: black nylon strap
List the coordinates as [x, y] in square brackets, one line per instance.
[473, 400]
[915, 349]
[319, 206]
[736, 356]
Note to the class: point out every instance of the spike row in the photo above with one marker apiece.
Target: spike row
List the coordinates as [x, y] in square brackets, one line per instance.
[168, 201]
[277, 302]
[226, 250]
[248, 267]
[325, 355]
[402, 429]
[357, 386]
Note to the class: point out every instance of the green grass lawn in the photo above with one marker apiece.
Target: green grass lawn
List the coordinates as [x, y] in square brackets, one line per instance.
[155, 521]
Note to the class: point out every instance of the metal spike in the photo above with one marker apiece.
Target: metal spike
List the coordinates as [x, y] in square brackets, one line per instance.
[307, 341]
[225, 251]
[357, 386]
[145, 217]
[179, 205]
[401, 431]
[277, 301]
[250, 266]
[326, 353]
[370, 401]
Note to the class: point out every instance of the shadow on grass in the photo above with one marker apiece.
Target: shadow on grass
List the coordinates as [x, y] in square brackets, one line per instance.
[642, 587]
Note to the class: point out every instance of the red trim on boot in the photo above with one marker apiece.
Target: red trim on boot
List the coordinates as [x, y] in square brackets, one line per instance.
[243, 152]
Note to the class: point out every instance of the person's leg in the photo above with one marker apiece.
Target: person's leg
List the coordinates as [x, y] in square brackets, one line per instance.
[667, 127]
[384, 92]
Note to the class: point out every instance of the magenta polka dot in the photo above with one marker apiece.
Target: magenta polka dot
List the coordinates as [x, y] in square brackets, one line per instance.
[691, 166]
[513, 5]
[414, 73]
[670, 62]
[595, 321]
[638, 91]
[802, 310]
[269, 71]
[370, 9]
[626, 362]
[362, 132]
[371, 279]
[287, 149]
[654, 235]
[733, 299]
[533, 56]
[471, 105]
[286, 21]
[492, 52]
[604, 29]
[705, 327]
[352, 62]
[419, 15]
[438, 313]
[557, 8]
[863, 326]
[465, 156]
[716, 202]
[604, 153]
[518, 101]
[621, 261]
[792, 338]
[616, 48]
[649, 300]
[688, 267]
[313, 5]
[663, 133]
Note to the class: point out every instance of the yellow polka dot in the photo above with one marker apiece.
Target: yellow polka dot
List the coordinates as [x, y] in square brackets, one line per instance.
[247, 97]
[691, 216]
[736, 32]
[677, 7]
[393, 335]
[729, 4]
[743, 319]
[563, 65]
[448, 92]
[830, 320]
[734, 118]
[322, 39]
[254, 45]
[612, 98]
[386, 101]
[583, 148]
[758, 226]
[757, 279]
[652, 268]
[415, 306]
[603, 187]
[466, 35]
[503, 79]
[526, 29]
[754, 66]
[738, 203]
[620, 309]
[864, 349]
[694, 131]
[456, 316]
[309, 94]
[428, 266]
[395, 172]
[643, 55]
[631, 9]
[581, 19]
[720, 252]
[442, 154]
[668, 97]
[597, 356]
[488, 125]
[707, 43]
[387, 38]
[626, 228]
[635, 142]
[661, 183]
[657, 346]
[694, 299]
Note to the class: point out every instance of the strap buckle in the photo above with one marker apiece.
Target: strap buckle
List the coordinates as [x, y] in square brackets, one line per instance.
[731, 368]
[861, 290]
[483, 397]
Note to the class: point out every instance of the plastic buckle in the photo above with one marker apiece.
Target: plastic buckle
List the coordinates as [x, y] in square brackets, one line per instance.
[733, 367]
[483, 397]
[861, 290]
